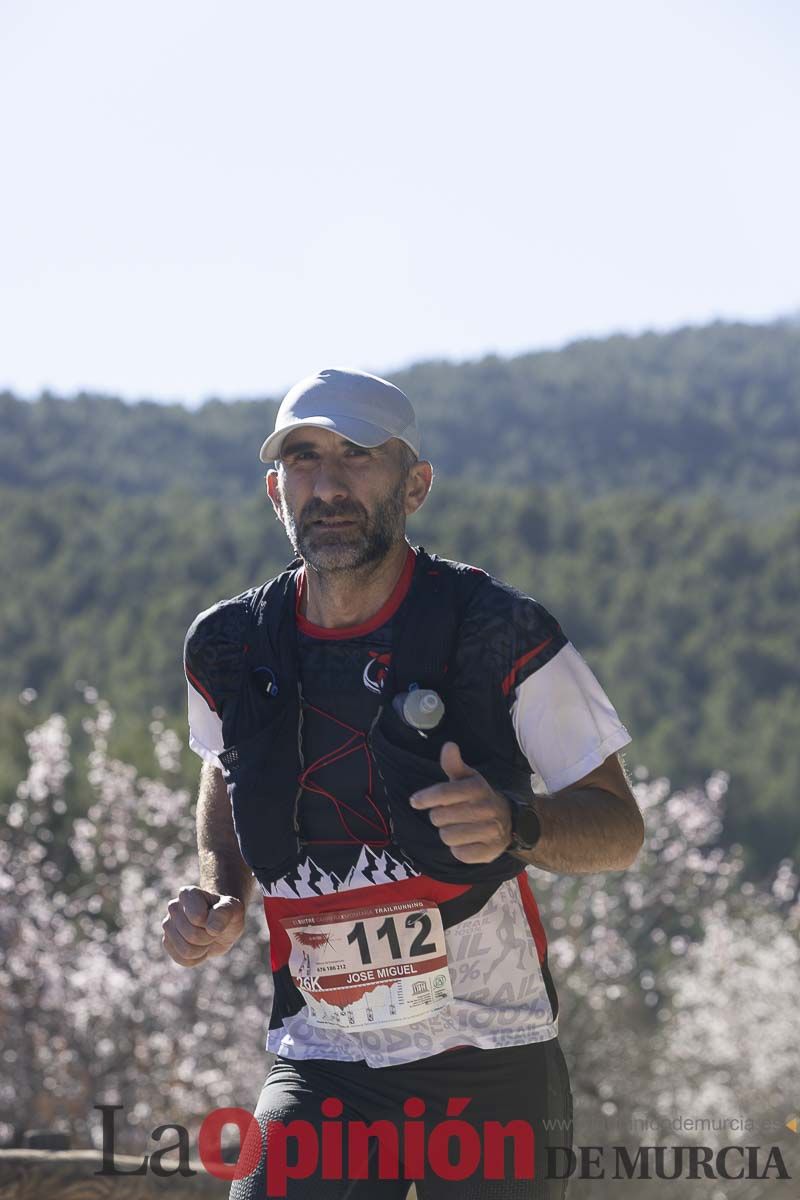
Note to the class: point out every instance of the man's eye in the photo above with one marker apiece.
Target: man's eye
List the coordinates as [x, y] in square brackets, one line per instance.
[300, 456]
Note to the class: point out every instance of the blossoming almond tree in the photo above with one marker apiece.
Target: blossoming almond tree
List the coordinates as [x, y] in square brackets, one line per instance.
[91, 1010]
[678, 980]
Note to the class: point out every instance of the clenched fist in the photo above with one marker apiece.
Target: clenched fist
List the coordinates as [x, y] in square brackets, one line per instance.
[201, 925]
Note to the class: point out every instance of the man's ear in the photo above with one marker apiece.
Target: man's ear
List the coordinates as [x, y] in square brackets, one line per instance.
[418, 484]
[271, 483]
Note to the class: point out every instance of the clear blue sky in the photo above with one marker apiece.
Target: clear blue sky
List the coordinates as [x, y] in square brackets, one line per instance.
[216, 198]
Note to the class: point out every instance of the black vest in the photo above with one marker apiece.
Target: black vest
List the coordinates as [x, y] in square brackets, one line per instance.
[262, 728]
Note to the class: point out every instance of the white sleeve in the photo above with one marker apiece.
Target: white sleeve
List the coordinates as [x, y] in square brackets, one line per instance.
[565, 723]
[205, 729]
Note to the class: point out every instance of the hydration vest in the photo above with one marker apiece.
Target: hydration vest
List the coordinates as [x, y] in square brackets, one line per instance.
[262, 727]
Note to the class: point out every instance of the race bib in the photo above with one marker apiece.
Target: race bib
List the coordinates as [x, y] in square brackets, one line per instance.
[370, 967]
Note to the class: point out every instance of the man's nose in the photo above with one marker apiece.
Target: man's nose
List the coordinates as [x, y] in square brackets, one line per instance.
[330, 482]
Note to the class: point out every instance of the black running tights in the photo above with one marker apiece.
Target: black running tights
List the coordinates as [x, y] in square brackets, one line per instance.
[525, 1084]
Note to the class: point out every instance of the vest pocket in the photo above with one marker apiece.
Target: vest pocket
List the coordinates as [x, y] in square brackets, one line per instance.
[262, 787]
[408, 763]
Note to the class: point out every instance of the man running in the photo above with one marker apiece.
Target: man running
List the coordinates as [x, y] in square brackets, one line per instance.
[388, 739]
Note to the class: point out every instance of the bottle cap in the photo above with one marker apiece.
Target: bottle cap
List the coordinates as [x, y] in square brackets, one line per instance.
[421, 708]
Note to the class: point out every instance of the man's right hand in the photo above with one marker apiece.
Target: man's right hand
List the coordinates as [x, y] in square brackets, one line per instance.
[201, 925]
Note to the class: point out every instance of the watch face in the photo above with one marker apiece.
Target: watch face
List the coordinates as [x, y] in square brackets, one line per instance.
[528, 828]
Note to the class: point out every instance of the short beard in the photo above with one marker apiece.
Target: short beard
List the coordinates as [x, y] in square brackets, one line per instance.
[380, 531]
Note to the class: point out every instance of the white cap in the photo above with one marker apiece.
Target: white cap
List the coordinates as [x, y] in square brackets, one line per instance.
[363, 408]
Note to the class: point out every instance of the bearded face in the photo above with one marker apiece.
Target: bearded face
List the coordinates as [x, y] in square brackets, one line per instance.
[346, 534]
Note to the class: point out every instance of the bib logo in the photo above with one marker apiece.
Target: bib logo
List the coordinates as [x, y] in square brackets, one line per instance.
[376, 669]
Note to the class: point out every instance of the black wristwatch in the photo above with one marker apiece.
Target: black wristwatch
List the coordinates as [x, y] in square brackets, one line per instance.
[526, 828]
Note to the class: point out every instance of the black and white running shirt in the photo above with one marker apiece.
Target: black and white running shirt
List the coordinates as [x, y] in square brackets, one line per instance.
[565, 726]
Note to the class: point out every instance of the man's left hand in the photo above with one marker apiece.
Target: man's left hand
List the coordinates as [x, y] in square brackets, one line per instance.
[472, 818]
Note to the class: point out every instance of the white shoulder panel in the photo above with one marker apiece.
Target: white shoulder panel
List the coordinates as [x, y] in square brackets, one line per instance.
[565, 723]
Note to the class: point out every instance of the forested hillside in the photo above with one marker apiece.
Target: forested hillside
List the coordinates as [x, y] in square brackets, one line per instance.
[714, 410]
[646, 490]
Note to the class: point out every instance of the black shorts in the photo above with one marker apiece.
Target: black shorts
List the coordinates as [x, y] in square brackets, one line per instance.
[426, 1133]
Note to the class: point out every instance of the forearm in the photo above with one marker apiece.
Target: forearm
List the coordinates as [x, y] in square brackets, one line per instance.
[585, 831]
[222, 868]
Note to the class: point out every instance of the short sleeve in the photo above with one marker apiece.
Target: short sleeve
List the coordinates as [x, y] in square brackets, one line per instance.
[564, 721]
[213, 651]
[205, 726]
[565, 724]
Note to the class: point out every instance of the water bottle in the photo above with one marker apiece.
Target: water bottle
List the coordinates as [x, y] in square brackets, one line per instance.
[420, 708]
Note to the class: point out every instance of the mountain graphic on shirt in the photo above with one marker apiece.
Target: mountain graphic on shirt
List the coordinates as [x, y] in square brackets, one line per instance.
[308, 878]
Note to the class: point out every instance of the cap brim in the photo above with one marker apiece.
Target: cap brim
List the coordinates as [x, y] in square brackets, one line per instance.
[363, 433]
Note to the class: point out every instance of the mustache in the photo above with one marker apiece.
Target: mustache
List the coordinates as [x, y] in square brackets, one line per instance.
[318, 510]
